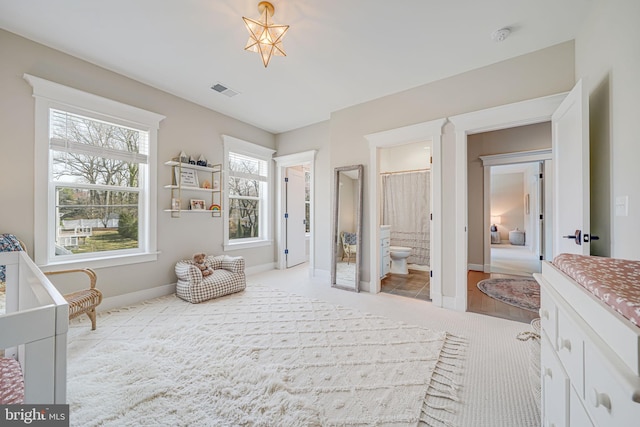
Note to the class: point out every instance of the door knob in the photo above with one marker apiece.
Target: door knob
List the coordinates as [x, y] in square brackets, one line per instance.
[577, 237]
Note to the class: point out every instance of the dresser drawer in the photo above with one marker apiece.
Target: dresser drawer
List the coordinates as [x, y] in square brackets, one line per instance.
[570, 345]
[555, 388]
[549, 316]
[578, 416]
[605, 398]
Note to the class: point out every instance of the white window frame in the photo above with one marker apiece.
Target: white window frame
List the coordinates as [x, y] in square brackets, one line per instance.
[235, 145]
[49, 95]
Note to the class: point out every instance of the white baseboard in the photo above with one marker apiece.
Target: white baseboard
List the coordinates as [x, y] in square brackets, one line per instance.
[437, 300]
[454, 303]
[260, 268]
[321, 274]
[136, 297]
[449, 303]
[365, 286]
[475, 267]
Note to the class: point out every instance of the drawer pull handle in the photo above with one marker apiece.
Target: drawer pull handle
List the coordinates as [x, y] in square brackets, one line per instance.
[564, 343]
[544, 313]
[600, 399]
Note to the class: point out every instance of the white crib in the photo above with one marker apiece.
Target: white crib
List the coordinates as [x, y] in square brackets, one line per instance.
[34, 329]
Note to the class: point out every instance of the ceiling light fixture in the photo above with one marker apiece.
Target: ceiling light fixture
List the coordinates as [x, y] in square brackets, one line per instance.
[265, 37]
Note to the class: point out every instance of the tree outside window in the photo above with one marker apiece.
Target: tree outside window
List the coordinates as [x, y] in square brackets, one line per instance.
[246, 188]
[95, 168]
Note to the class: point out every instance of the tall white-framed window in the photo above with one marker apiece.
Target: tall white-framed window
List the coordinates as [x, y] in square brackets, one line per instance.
[95, 175]
[247, 193]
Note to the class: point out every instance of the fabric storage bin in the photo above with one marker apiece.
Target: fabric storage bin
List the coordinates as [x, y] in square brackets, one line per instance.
[516, 237]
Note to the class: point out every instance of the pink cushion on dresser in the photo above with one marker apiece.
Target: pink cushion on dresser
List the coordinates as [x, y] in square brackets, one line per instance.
[11, 382]
[614, 281]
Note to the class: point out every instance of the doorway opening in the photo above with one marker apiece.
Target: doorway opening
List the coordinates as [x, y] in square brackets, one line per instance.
[297, 221]
[421, 132]
[516, 206]
[405, 177]
[295, 209]
[503, 117]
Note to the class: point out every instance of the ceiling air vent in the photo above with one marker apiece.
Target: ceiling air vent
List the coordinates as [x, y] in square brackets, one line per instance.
[218, 87]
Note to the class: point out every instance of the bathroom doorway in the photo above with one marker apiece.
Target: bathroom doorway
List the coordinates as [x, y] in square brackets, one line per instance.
[405, 201]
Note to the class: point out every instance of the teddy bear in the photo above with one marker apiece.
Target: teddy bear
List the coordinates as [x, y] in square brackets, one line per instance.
[198, 260]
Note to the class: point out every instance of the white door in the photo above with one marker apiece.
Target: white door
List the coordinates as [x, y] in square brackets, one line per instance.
[570, 127]
[295, 217]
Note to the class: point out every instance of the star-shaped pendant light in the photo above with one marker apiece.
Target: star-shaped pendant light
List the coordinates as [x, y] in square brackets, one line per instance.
[265, 37]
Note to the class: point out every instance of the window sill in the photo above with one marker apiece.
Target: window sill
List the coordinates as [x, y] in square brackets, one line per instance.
[247, 245]
[113, 261]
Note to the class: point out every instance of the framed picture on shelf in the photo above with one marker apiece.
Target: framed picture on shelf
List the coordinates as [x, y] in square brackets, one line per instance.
[197, 205]
[186, 178]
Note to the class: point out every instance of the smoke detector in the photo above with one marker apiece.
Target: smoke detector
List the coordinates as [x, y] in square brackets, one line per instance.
[219, 87]
[501, 34]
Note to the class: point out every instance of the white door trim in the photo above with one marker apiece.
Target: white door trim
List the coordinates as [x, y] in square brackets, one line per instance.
[506, 116]
[426, 131]
[283, 162]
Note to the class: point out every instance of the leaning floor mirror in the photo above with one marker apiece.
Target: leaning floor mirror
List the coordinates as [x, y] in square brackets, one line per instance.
[347, 228]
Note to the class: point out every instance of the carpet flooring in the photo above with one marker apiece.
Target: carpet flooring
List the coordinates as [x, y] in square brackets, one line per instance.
[260, 357]
[494, 387]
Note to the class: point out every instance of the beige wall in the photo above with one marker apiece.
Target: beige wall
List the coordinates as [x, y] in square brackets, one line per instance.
[540, 73]
[187, 127]
[507, 201]
[608, 59]
[404, 157]
[523, 138]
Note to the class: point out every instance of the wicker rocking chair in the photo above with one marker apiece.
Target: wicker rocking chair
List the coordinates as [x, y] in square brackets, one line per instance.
[83, 301]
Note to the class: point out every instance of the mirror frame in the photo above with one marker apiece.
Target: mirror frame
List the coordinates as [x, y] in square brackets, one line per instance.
[336, 237]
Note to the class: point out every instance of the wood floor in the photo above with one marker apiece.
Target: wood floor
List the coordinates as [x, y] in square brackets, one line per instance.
[478, 302]
[416, 285]
[413, 285]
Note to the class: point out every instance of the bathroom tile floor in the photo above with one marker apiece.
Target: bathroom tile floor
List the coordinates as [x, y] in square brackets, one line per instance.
[413, 285]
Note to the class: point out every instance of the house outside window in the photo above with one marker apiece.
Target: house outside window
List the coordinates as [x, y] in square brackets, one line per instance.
[247, 192]
[95, 179]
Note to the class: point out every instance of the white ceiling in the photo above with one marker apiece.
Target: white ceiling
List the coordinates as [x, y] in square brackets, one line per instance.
[340, 52]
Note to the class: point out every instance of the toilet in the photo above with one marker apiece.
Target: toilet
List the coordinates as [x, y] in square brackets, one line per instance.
[399, 255]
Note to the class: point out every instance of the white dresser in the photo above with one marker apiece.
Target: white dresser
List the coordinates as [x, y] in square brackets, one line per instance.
[385, 257]
[589, 358]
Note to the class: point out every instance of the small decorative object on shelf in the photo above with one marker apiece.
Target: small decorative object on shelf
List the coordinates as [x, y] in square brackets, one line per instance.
[186, 177]
[192, 161]
[202, 161]
[196, 204]
[216, 185]
[215, 209]
[183, 157]
[175, 204]
[206, 184]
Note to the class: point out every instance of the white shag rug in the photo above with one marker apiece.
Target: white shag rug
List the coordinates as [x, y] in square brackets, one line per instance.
[258, 358]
